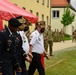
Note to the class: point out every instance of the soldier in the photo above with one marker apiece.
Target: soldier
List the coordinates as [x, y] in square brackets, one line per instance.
[58, 36]
[25, 45]
[8, 44]
[74, 36]
[55, 35]
[28, 32]
[37, 49]
[50, 39]
[45, 40]
[62, 35]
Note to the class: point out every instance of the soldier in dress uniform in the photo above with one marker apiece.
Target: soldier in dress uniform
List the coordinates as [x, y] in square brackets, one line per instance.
[37, 49]
[8, 48]
[50, 39]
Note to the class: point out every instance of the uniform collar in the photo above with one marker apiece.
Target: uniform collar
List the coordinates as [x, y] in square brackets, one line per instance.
[9, 31]
[37, 32]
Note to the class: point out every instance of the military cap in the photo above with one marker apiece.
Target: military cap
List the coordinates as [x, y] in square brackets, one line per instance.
[21, 19]
[28, 23]
[14, 22]
[41, 23]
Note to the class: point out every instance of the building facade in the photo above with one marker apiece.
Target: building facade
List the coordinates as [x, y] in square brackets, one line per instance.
[57, 11]
[40, 8]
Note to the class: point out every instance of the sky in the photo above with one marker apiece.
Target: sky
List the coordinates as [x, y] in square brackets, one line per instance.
[73, 2]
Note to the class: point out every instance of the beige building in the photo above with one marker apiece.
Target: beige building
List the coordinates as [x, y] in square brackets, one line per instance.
[57, 10]
[40, 8]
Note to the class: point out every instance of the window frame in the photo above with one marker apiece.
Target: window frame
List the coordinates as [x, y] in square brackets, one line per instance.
[42, 2]
[56, 15]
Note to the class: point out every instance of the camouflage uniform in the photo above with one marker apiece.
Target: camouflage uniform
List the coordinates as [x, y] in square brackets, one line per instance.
[58, 36]
[45, 40]
[50, 39]
[62, 35]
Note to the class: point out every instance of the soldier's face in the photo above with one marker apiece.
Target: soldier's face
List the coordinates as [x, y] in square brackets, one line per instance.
[13, 29]
[41, 29]
[20, 28]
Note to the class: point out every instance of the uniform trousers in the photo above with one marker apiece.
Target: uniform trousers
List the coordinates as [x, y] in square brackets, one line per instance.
[37, 63]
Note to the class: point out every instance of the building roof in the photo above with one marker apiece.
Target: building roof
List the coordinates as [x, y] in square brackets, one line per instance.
[61, 3]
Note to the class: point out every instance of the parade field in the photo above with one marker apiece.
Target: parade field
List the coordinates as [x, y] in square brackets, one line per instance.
[62, 63]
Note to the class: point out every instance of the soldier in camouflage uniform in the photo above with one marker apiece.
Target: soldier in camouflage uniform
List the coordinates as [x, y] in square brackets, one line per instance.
[58, 36]
[50, 39]
[55, 35]
[74, 36]
[45, 40]
[62, 35]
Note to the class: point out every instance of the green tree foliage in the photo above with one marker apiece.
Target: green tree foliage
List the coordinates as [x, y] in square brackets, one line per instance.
[67, 17]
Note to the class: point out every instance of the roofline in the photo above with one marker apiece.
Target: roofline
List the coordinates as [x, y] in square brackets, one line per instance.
[63, 7]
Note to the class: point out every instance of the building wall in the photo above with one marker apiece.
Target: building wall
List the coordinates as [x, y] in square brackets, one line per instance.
[36, 7]
[56, 22]
[74, 22]
[71, 27]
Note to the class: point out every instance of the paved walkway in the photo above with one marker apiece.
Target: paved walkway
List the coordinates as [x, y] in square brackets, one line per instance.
[63, 45]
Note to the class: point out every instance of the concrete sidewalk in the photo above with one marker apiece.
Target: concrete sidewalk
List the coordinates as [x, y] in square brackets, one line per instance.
[63, 45]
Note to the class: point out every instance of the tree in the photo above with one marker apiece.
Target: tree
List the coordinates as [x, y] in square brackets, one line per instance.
[67, 17]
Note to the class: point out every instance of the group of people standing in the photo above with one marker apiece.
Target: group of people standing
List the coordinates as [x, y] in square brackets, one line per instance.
[15, 49]
[58, 36]
[50, 37]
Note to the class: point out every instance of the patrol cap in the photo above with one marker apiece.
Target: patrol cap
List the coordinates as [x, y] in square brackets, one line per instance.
[21, 19]
[41, 23]
[14, 22]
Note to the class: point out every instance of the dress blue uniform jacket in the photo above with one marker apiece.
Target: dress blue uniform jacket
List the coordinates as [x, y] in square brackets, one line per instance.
[11, 52]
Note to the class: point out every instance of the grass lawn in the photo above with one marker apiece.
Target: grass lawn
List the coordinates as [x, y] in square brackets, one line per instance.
[62, 63]
[67, 38]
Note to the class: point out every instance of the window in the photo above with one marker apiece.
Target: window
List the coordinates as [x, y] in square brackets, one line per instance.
[55, 14]
[42, 17]
[24, 8]
[47, 20]
[42, 2]
[31, 11]
[37, 0]
[47, 3]
[37, 14]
